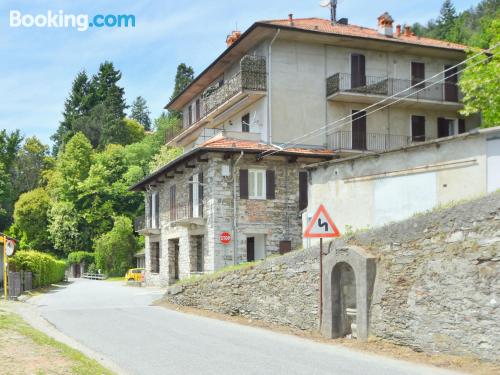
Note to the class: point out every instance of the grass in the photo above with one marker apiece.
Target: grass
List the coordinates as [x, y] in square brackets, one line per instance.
[81, 364]
[213, 275]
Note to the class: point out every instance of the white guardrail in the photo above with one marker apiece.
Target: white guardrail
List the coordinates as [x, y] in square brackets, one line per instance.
[94, 276]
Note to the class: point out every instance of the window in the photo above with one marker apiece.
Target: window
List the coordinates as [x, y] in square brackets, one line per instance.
[245, 123]
[155, 256]
[153, 210]
[199, 253]
[448, 127]
[257, 184]
[190, 114]
[417, 74]
[196, 195]
[417, 128]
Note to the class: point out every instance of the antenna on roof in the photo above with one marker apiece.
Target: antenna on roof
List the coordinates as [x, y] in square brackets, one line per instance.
[332, 4]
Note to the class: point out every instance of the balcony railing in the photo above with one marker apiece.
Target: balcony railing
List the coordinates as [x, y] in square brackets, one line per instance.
[184, 211]
[172, 131]
[347, 140]
[142, 223]
[386, 86]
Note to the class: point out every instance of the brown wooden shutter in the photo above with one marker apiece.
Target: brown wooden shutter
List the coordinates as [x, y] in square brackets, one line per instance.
[197, 108]
[149, 202]
[461, 126]
[157, 212]
[417, 73]
[173, 213]
[190, 196]
[200, 194]
[302, 190]
[358, 74]
[243, 183]
[270, 184]
[190, 114]
[417, 128]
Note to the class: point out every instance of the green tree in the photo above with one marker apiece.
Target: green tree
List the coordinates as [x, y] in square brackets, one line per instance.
[480, 81]
[31, 220]
[72, 167]
[166, 154]
[9, 147]
[140, 113]
[114, 251]
[183, 77]
[65, 228]
[31, 161]
[445, 23]
[77, 105]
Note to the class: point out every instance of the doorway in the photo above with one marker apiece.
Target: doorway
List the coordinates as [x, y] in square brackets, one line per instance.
[344, 300]
[250, 249]
[450, 84]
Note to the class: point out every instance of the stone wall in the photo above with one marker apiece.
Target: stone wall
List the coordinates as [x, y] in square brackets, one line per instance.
[437, 286]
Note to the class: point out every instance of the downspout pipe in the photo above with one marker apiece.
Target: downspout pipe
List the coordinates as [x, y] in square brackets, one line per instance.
[235, 221]
[269, 88]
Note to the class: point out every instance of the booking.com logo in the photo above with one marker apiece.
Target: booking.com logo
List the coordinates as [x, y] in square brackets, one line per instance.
[81, 22]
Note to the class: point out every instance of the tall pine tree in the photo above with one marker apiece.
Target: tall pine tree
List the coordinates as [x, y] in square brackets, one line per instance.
[140, 113]
[183, 77]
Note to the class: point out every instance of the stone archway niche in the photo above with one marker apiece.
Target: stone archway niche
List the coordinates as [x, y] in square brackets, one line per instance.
[348, 278]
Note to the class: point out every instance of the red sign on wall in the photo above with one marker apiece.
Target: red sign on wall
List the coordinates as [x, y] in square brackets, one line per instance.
[225, 238]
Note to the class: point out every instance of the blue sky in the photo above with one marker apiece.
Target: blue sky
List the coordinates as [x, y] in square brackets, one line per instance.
[37, 65]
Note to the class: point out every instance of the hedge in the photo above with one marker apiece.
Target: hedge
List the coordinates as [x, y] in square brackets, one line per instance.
[46, 269]
[81, 256]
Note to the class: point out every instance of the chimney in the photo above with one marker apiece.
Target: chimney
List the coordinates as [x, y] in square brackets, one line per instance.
[385, 24]
[233, 37]
[398, 30]
[407, 30]
[290, 19]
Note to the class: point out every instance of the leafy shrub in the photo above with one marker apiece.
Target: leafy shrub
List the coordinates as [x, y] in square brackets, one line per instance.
[92, 268]
[46, 269]
[114, 251]
[81, 256]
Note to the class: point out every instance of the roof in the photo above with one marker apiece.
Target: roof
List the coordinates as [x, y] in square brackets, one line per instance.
[315, 25]
[325, 26]
[222, 144]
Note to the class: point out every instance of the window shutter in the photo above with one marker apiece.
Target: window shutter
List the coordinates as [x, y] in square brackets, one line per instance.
[157, 210]
[173, 214]
[200, 194]
[243, 183]
[149, 202]
[302, 190]
[190, 196]
[270, 184]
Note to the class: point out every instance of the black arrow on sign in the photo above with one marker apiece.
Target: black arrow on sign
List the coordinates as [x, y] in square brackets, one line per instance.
[323, 224]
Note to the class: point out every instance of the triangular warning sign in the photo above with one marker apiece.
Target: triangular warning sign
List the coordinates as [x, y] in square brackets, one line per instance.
[321, 225]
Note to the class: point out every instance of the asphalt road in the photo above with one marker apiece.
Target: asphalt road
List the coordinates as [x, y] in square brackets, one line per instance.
[119, 322]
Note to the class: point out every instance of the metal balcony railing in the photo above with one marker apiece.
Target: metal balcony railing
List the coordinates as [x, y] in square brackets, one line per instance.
[143, 222]
[347, 140]
[183, 211]
[251, 76]
[386, 86]
[173, 131]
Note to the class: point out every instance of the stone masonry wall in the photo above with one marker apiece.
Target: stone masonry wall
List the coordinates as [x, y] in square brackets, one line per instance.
[437, 286]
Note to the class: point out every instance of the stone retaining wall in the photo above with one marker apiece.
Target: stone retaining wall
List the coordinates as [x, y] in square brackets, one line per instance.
[437, 286]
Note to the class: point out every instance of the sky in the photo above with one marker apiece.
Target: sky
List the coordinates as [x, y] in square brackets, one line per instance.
[38, 65]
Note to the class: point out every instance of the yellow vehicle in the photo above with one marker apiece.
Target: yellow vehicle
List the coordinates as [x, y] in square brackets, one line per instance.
[135, 274]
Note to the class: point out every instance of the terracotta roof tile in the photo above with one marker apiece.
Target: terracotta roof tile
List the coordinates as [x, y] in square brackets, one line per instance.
[325, 26]
[221, 142]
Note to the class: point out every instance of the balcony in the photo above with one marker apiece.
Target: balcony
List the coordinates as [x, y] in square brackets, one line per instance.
[375, 142]
[222, 99]
[173, 131]
[368, 90]
[186, 214]
[146, 225]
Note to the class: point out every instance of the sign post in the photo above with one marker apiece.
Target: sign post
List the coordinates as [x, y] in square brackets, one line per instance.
[8, 250]
[321, 226]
